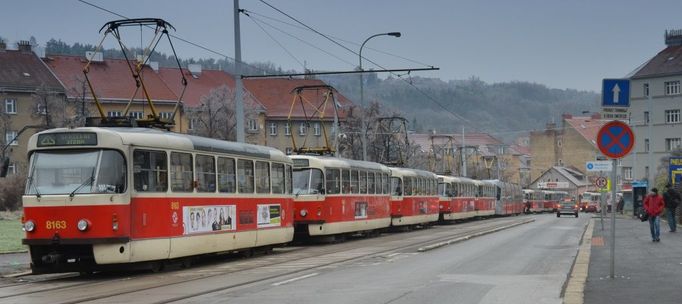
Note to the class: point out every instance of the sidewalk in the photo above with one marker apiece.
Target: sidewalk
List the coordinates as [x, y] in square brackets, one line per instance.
[646, 272]
[13, 263]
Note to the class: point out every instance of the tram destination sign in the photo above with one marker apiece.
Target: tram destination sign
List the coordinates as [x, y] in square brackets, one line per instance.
[67, 139]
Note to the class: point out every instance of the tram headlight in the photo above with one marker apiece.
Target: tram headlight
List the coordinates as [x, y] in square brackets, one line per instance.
[83, 225]
[29, 226]
[303, 212]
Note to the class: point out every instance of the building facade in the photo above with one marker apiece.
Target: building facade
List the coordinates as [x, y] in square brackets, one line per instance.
[32, 99]
[570, 145]
[655, 111]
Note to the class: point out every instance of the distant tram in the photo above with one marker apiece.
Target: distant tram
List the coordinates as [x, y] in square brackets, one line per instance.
[335, 196]
[414, 198]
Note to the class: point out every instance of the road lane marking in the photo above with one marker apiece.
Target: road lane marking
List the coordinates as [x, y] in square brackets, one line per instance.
[295, 279]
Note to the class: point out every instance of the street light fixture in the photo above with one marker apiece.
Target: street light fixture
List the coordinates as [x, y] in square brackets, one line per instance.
[362, 93]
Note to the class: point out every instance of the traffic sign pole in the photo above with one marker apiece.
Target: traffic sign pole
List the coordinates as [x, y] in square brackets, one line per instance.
[613, 218]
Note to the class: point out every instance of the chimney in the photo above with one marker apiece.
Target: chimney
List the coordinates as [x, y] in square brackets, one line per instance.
[24, 46]
[94, 56]
[566, 116]
[550, 126]
[154, 65]
[673, 37]
[195, 69]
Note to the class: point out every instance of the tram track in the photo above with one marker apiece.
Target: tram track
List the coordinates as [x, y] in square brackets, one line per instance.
[207, 279]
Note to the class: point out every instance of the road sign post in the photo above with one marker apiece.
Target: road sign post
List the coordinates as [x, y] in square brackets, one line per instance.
[615, 140]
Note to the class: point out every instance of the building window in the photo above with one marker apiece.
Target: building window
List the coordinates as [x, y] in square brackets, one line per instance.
[646, 117]
[136, 115]
[10, 136]
[646, 172]
[301, 129]
[316, 128]
[672, 144]
[287, 129]
[253, 125]
[192, 124]
[114, 114]
[627, 173]
[273, 128]
[40, 109]
[645, 88]
[646, 145]
[289, 150]
[12, 169]
[10, 106]
[672, 87]
[166, 115]
[672, 116]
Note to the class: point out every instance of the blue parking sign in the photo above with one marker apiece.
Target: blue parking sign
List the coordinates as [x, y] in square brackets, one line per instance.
[615, 93]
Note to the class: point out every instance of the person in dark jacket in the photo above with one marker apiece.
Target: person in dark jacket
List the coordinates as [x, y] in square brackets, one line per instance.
[653, 204]
[671, 198]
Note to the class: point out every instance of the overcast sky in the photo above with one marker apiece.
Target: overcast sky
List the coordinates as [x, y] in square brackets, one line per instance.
[559, 43]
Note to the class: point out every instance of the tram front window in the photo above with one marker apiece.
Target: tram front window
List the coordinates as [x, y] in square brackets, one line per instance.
[76, 171]
[308, 181]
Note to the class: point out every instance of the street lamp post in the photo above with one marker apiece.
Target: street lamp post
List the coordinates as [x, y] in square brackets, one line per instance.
[362, 93]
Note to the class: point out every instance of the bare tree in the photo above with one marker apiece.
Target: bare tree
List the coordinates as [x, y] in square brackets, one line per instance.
[215, 117]
[51, 107]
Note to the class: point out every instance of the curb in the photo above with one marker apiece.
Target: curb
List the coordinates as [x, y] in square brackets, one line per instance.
[471, 236]
[575, 287]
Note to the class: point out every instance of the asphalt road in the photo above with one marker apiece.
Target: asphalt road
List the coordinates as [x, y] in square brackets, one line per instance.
[524, 264]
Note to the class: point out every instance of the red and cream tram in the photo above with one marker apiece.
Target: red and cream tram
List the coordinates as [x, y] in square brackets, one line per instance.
[414, 198]
[337, 196]
[485, 198]
[98, 197]
[509, 198]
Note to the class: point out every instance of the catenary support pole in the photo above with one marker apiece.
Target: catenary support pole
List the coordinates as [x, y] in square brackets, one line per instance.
[238, 90]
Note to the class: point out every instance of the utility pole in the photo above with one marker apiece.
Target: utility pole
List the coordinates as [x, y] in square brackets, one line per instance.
[463, 152]
[650, 161]
[238, 86]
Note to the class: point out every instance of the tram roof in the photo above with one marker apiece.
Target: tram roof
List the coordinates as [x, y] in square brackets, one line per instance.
[161, 139]
[412, 172]
[337, 162]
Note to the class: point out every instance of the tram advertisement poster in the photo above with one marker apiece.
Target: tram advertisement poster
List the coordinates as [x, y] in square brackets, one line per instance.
[269, 215]
[200, 219]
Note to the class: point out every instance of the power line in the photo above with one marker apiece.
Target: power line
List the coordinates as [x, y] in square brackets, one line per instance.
[176, 37]
[341, 39]
[277, 42]
[301, 40]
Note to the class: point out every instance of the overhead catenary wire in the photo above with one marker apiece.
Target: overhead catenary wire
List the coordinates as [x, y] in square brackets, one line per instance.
[340, 39]
[177, 37]
[301, 40]
[277, 42]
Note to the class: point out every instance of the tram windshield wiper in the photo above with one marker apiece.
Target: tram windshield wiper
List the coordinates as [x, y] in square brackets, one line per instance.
[31, 184]
[85, 183]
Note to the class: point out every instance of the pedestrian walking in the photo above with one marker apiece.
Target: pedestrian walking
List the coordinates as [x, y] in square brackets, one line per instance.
[653, 204]
[671, 198]
[621, 204]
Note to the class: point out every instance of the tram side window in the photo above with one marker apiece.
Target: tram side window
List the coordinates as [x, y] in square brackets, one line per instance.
[182, 179]
[396, 186]
[363, 182]
[226, 177]
[205, 166]
[333, 181]
[408, 185]
[354, 181]
[387, 184]
[151, 171]
[345, 180]
[288, 178]
[278, 180]
[245, 175]
[262, 177]
[371, 185]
